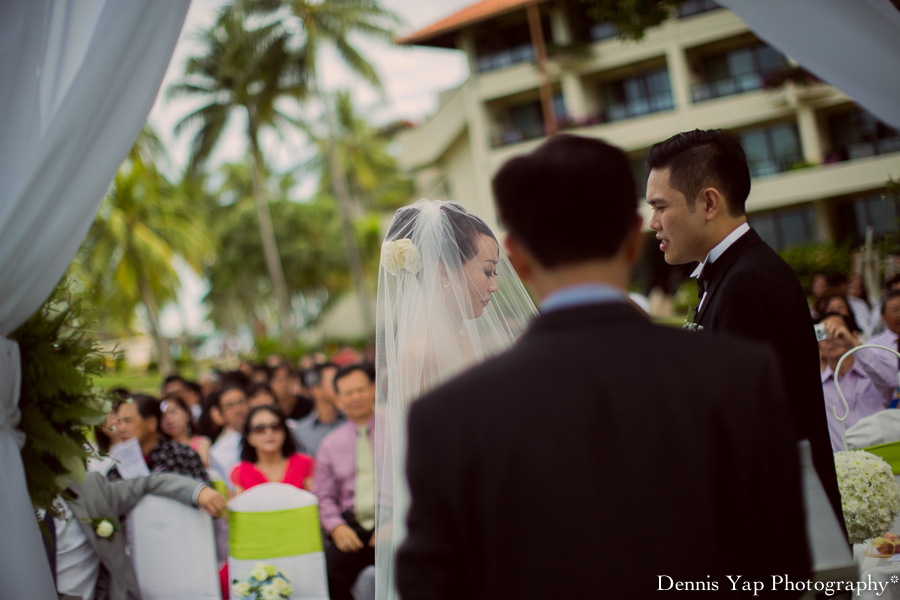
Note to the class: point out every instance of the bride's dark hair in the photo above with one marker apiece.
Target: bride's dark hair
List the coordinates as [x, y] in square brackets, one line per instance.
[465, 227]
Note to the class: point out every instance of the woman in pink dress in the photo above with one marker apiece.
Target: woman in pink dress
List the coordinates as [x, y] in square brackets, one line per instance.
[268, 453]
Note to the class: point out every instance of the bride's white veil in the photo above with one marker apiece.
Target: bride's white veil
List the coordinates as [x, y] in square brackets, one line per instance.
[447, 298]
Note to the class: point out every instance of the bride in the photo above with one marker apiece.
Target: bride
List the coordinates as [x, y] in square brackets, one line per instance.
[447, 298]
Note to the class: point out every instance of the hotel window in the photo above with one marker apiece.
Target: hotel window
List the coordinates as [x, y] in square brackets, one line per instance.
[781, 229]
[771, 149]
[638, 95]
[504, 46]
[859, 134]
[737, 71]
[880, 213]
[603, 31]
[526, 121]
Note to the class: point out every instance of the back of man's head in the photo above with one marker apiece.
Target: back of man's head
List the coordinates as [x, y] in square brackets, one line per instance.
[571, 200]
[700, 159]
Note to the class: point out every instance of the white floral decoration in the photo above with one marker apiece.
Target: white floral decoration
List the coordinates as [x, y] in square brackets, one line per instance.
[104, 529]
[870, 496]
[401, 254]
[263, 582]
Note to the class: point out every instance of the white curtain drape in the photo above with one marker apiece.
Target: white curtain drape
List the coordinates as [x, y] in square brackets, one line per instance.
[77, 80]
[853, 45]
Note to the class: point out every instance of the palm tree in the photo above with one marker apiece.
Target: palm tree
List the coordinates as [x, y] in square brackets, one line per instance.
[372, 175]
[249, 71]
[333, 22]
[142, 225]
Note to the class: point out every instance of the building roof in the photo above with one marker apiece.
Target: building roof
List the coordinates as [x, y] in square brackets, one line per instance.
[440, 33]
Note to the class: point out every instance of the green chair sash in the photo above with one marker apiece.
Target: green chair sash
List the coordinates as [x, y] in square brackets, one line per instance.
[263, 535]
[889, 452]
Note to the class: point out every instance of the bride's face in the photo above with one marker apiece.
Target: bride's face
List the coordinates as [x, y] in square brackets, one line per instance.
[481, 275]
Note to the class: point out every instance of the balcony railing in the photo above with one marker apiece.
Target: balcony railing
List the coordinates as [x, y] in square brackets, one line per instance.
[738, 84]
[504, 58]
[771, 165]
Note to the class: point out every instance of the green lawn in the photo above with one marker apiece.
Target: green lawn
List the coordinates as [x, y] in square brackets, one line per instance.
[145, 382]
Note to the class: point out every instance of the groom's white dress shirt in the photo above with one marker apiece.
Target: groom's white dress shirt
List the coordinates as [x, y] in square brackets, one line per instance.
[77, 565]
[718, 251]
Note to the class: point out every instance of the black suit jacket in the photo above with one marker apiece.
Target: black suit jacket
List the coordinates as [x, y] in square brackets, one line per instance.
[599, 456]
[754, 294]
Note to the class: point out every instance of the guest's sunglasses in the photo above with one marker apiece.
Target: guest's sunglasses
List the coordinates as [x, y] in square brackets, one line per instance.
[264, 427]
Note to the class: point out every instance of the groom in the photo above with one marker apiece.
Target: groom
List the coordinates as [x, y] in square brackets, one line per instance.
[602, 456]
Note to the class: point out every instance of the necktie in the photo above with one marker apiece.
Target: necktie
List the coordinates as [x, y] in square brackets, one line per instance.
[364, 492]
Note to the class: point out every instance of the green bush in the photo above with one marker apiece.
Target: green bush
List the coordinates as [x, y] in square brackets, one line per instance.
[811, 258]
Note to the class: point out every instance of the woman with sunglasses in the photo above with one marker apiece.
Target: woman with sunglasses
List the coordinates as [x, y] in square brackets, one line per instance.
[268, 453]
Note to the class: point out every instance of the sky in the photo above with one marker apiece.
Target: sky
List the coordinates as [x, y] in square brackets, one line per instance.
[411, 76]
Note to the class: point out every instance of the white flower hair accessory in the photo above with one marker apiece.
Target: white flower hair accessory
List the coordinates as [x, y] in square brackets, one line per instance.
[401, 254]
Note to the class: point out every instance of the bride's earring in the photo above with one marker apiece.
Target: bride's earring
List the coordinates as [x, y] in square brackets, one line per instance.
[446, 284]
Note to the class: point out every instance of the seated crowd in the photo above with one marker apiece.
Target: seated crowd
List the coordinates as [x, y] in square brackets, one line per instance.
[310, 428]
[869, 377]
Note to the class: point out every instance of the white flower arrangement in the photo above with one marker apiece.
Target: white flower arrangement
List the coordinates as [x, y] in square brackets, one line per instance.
[263, 582]
[401, 254]
[870, 496]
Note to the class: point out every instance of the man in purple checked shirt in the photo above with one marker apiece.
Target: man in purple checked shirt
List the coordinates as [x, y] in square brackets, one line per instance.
[868, 379]
[345, 482]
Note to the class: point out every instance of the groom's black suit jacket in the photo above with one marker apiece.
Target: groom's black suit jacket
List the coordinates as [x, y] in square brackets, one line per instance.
[752, 293]
[600, 456]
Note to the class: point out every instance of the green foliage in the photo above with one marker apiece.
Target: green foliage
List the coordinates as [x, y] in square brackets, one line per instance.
[58, 400]
[268, 346]
[310, 243]
[632, 17]
[811, 258]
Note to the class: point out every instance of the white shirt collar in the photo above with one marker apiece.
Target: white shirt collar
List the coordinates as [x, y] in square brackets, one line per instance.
[721, 247]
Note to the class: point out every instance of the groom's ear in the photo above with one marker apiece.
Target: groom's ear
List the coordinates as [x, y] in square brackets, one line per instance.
[518, 257]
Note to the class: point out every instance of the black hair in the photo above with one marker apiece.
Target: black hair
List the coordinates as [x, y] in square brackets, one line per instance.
[827, 297]
[194, 387]
[571, 200]
[892, 281]
[175, 377]
[890, 295]
[699, 159]
[235, 379]
[260, 386]
[837, 280]
[366, 368]
[282, 365]
[248, 452]
[205, 424]
[261, 368]
[849, 322]
[466, 228]
[314, 376]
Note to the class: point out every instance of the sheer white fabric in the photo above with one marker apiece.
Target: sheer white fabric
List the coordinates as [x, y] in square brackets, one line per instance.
[447, 299]
[852, 44]
[79, 78]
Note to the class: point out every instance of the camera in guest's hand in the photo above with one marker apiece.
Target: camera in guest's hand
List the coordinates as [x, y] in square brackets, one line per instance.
[821, 334]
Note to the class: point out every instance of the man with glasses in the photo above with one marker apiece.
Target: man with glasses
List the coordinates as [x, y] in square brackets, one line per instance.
[231, 403]
[345, 482]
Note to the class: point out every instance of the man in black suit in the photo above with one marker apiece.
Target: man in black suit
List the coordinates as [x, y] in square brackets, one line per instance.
[601, 456]
[698, 186]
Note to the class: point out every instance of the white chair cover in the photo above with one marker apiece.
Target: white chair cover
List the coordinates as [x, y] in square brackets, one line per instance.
[173, 551]
[881, 428]
[278, 524]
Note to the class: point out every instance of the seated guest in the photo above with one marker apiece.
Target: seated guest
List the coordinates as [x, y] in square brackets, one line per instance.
[260, 394]
[210, 423]
[259, 373]
[345, 482]
[139, 417]
[84, 563]
[178, 424]
[285, 385]
[878, 326]
[326, 417]
[867, 379]
[231, 406]
[890, 315]
[268, 453]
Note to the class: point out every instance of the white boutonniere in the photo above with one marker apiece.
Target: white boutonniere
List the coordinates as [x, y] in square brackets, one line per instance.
[104, 528]
[689, 322]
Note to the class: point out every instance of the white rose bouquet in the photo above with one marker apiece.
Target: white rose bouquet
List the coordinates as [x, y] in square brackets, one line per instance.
[263, 582]
[398, 255]
[870, 496]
